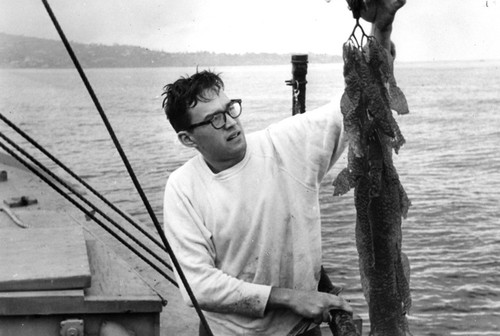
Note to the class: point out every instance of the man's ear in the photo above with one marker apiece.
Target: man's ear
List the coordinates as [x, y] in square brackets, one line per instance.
[186, 139]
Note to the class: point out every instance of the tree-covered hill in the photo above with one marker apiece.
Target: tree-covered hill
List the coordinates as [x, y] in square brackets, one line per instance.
[29, 52]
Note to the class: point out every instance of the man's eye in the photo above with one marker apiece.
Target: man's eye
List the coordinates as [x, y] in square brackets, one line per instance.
[216, 117]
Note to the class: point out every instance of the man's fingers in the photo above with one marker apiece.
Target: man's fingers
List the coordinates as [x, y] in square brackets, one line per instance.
[396, 5]
[399, 4]
[326, 316]
[342, 304]
[374, 8]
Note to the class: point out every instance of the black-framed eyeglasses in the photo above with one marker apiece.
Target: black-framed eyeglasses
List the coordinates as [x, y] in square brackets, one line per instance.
[218, 119]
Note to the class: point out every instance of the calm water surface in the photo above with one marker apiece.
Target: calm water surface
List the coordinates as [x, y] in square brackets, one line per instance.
[450, 166]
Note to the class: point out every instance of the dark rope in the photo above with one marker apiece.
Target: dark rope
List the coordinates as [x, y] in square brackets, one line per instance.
[353, 38]
[129, 169]
[79, 179]
[357, 6]
[85, 211]
[87, 202]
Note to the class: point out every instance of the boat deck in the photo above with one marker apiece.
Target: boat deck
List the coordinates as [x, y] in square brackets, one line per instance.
[118, 287]
[105, 282]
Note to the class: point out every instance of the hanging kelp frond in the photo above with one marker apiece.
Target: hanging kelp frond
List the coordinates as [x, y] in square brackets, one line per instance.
[370, 95]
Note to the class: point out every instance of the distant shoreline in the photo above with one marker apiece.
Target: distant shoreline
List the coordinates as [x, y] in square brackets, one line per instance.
[22, 52]
[30, 52]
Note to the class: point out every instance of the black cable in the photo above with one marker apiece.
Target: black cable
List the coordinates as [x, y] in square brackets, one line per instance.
[83, 199]
[85, 211]
[129, 169]
[79, 179]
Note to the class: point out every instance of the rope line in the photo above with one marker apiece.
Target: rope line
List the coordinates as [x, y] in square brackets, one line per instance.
[79, 179]
[83, 199]
[81, 208]
[129, 169]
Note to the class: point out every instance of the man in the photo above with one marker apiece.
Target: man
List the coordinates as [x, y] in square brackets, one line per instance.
[243, 217]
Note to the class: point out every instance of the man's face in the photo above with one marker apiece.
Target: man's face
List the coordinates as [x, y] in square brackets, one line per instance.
[222, 148]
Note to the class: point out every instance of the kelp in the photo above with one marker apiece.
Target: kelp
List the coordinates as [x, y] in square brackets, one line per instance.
[370, 95]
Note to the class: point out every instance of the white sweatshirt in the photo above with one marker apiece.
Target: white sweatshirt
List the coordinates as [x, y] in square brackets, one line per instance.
[255, 225]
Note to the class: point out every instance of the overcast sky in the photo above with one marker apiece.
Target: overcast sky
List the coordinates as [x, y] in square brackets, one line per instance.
[424, 30]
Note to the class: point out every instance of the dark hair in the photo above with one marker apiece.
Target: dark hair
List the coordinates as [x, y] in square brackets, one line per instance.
[185, 93]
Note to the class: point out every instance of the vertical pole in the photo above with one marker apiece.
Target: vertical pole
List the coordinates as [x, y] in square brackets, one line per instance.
[298, 83]
[299, 72]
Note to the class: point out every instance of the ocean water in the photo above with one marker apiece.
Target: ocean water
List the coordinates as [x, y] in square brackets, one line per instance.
[450, 166]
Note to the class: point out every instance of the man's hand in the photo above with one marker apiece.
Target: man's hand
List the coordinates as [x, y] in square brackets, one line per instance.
[381, 14]
[312, 305]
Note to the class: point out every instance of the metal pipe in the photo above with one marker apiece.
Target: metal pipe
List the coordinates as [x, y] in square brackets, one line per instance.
[298, 83]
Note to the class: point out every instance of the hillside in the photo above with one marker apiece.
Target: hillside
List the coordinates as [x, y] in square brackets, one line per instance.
[29, 52]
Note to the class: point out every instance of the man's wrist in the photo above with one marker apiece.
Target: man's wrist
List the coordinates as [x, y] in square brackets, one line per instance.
[382, 28]
[383, 35]
[279, 298]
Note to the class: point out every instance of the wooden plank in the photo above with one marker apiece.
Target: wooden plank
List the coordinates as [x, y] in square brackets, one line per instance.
[142, 324]
[115, 285]
[115, 288]
[43, 259]
[41, 302]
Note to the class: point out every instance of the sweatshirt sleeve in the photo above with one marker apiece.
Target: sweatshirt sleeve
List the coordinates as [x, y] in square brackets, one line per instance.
[309, 144]
[191, 242]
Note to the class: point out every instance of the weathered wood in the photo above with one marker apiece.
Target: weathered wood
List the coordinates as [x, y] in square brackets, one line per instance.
[142, 324]
[43, 259]
[115, 288]
[116, 293]
[40, 302]
[115, 285]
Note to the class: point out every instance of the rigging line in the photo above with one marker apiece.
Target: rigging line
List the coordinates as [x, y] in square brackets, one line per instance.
[79, 179]
[83, 199]
[85, 211]
[130, 171]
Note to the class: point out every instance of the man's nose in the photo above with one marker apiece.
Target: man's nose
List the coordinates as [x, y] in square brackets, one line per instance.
[230, 121]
